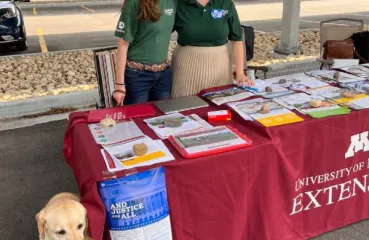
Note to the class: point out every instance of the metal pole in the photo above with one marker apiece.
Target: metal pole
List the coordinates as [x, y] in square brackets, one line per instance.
[290, 28]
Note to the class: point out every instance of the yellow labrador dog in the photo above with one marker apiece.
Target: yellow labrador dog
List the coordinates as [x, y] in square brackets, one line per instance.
[63, 218]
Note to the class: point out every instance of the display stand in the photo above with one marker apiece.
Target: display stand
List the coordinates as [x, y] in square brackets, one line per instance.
[103, 101]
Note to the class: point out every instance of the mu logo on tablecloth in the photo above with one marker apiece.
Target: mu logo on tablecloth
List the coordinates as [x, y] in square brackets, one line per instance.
[359, 142]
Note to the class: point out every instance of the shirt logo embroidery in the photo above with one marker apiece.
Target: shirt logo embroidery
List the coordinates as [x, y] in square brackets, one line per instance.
[218, 13]
[169, 12]
[121, 25]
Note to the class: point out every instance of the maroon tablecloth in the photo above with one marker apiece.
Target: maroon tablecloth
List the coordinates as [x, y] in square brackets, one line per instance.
[295, 182]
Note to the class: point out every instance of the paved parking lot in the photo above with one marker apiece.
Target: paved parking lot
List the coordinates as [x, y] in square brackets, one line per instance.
[90, 26]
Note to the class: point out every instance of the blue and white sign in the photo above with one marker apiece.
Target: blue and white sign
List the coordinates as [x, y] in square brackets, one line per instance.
[137, 206]
[217, 13]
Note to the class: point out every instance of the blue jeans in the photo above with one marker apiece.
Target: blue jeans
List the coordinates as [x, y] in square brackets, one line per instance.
[144, 86]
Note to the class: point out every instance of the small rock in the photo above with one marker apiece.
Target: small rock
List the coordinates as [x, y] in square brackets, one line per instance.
[265, 108]
[316, 103]
[140, 149]
[268, 89]
[173, 122]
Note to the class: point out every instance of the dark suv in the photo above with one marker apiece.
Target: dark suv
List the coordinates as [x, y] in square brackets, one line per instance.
[12, 29]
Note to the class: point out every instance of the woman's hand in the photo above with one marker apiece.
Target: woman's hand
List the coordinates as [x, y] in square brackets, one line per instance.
[243, 81]
[119, 95]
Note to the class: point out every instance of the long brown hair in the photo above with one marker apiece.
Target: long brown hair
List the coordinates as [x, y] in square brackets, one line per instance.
[149, 10]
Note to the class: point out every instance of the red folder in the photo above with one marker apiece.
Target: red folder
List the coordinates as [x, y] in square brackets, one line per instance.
[185, 154]
[121, 113]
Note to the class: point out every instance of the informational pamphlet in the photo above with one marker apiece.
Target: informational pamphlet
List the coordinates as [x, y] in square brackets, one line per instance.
[337, 76]
[298, 81]
[277, 115]
[120, 132]
[302, 102]
[359, 104]
[159, 126]
[361, 87]
[137, 206]
[204, 124]
[227, 95]
[122, 156]
[275, 90]
[335, 94]
[259, 86]
[202, 141]
[358, 70]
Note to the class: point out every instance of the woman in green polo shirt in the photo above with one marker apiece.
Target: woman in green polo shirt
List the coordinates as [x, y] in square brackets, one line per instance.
[201, 59]
[142, 71]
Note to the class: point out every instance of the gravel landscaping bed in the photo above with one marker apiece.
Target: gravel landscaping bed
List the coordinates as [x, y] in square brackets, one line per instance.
[47, 74]
[24, 77]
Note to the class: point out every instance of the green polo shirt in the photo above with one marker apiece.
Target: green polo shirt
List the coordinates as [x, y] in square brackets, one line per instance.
[148, 41]
[212, 25]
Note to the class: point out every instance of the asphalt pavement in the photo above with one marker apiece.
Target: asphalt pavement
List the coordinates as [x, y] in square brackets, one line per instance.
[32, 170]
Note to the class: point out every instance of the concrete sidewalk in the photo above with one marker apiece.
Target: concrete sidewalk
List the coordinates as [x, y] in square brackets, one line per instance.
[266, 11]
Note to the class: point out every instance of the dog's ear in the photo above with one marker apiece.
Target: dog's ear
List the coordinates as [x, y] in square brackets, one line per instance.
[41, 221]
[86, 226]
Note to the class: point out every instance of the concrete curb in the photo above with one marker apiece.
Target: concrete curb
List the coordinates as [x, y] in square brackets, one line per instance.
[14, 123]
[29, 6]
[286, 68]
[19, 108]
[53, 52]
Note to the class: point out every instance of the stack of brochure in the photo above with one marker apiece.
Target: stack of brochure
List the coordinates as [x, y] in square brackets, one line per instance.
[227, 95]
[298, 81]
[361, 87]
[335, 94]
[276, 90]
[334, 76]
[359, 70]
[302, 103]
[121, 156]
[358, 104]
[210, 141]
[120, 132]
[189, 123]
[251, 110]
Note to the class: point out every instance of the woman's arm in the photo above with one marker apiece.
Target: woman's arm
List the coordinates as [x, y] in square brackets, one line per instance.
[120, 88]
[235, 36]
[121, 61]
[125, 31]
[239, 57]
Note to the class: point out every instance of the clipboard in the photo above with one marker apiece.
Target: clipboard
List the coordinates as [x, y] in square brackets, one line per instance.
[213, 151]
[121, 113]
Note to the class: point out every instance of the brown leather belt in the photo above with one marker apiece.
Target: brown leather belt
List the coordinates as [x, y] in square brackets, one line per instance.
[148, 67]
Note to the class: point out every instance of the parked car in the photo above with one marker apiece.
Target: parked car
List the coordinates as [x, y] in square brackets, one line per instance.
[12, 29]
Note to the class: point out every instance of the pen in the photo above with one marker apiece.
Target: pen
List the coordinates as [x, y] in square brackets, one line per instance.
[251, 88]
